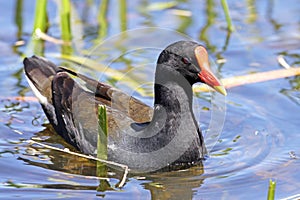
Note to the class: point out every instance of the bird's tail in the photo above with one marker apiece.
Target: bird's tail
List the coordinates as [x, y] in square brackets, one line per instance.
[40, 73]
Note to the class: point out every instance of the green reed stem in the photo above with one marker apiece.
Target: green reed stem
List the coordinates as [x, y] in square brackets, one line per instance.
[102, 147]
[19, 18]
[102, 133]
[40, 25]
[65, 23]
[123, 14]
[65, 13]
[210, 20]
[271, 192]
[102, 19]
[227, 15]
[40, 19]
[252, 16]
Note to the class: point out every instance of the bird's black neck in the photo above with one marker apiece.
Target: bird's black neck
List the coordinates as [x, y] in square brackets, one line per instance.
[172, 90]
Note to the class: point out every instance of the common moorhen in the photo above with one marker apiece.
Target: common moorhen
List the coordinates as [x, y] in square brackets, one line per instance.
[139, 136]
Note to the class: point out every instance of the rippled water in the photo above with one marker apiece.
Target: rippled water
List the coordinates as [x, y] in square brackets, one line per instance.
[259, 139]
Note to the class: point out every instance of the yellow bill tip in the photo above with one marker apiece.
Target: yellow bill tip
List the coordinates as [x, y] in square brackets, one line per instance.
[221, 89]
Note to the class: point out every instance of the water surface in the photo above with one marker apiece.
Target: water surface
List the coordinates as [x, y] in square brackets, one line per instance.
[260, 136]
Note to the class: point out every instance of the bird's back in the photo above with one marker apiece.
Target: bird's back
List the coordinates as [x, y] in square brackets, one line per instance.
[72, 107]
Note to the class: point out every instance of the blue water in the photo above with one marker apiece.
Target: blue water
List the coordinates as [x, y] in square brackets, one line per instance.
[260, 136]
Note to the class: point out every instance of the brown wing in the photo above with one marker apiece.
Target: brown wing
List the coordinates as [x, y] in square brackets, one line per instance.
[116, 99]
[77, 115]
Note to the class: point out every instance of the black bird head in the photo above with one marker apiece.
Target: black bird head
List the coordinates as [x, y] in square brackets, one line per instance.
[190, 60]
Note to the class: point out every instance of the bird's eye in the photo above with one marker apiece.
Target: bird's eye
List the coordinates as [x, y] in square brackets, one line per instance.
[185, 60]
